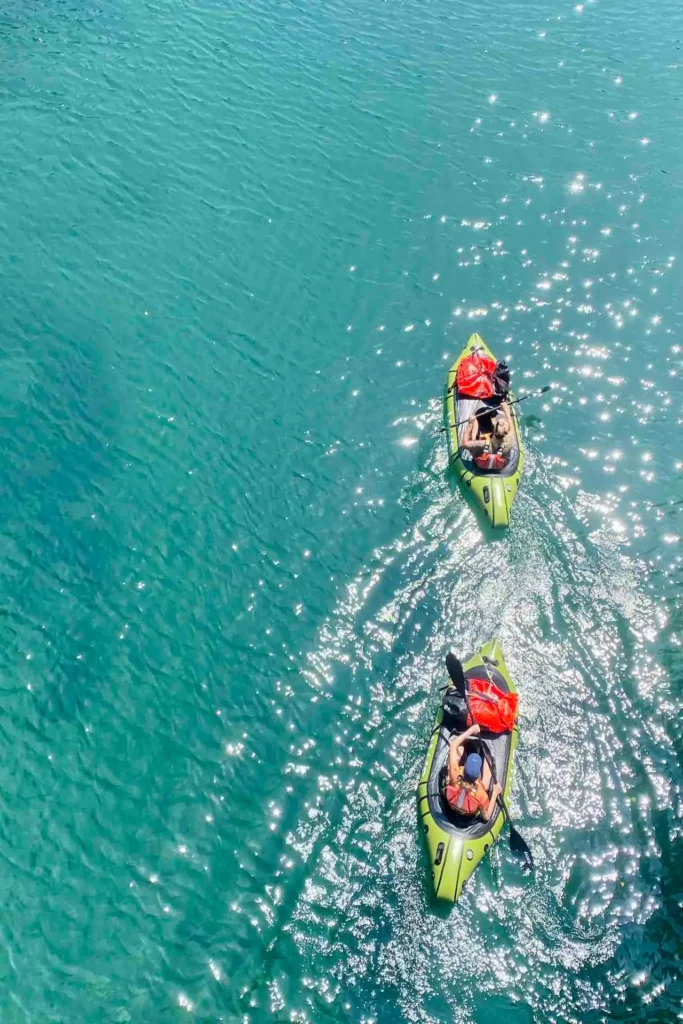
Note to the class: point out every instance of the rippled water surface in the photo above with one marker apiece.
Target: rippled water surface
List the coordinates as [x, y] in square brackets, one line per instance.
[242, 240]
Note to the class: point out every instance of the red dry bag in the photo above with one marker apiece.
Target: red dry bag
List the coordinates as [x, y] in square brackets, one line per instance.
[474, 378]
[490, 707]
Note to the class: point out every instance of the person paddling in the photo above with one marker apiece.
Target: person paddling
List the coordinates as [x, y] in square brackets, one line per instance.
[491, 453]
[467, 784]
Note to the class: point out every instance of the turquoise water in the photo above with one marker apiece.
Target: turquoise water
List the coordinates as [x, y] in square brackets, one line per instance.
[241, 243]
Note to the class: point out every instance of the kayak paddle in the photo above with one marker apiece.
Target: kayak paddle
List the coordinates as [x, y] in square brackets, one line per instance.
[515, 401]
[454, 669]
[518, 843]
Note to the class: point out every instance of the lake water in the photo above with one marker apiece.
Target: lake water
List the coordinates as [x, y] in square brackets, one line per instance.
[241, 244]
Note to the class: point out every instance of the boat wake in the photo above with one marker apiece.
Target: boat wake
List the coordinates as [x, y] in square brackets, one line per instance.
[593, 773]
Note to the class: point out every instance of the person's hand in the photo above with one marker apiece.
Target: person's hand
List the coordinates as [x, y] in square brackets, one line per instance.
[475, 729]
[497, 790]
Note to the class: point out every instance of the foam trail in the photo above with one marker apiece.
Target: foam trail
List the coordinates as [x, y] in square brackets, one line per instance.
[575, 621]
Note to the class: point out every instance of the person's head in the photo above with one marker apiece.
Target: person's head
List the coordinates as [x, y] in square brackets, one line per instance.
[473, 766]
[500, 427]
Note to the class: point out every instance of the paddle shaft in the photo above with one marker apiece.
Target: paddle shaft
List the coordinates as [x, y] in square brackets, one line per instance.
[515, 835]
[487, 754]
[492, 766]
[489, 758]
[482, 412]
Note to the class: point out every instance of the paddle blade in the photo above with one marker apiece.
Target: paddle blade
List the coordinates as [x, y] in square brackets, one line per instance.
[548, 387]
[454, 669]
[520, 847]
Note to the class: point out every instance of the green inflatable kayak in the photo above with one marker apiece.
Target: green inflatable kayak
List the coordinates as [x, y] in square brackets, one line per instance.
[493, 492]
[456, 845]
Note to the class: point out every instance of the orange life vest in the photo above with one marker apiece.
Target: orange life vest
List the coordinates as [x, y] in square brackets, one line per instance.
[466, 800]
[492, 461]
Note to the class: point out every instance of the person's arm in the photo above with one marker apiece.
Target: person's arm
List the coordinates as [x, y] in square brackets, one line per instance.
[454, 755]
[473, 730]
[471, 431]
[456, 748]
[495, 793]
[505, 409]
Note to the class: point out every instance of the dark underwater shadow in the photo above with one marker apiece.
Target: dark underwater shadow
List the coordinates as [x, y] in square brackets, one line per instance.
[59, 417]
